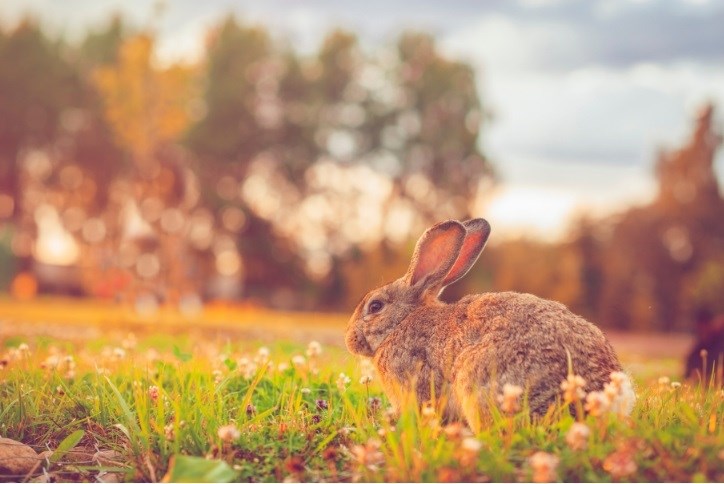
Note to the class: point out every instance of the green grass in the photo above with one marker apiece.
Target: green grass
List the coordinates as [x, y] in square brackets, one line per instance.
[298, 423]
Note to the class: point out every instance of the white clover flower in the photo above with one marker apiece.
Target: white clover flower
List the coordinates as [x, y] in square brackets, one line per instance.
[597, 403]
[298, 360]
[305, 391]
[572, 388]
[263, 353]
[544, 466]
[675, 384]
[228, 433]
[365, 380]
[577, 436]
[471, 445]
[342, 382]
[314, 349]
[509, 398]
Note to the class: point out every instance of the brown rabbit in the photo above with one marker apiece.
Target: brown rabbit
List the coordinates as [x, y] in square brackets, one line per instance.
[466, 351]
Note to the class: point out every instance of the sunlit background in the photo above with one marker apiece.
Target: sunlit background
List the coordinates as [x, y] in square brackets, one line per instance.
[288, 154]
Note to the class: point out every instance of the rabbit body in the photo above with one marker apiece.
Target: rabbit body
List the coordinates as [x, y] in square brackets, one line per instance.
[466, 351]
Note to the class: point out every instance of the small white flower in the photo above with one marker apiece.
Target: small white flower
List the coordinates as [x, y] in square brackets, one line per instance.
[675, 384]
[572, 388]
[314, 349]
[342, 382]
[119, 353]
[263, 353]
[597, 403]
[664, 380]
[305, 391]
[229, 433]
[298, 360]
[472, 445]
[544, 466]
[577, 436]
[509, 399]
[365, 380]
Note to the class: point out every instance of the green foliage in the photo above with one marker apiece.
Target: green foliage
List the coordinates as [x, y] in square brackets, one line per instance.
[184, 468]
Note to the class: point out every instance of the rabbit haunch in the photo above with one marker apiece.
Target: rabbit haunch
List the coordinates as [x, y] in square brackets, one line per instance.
[466, 351]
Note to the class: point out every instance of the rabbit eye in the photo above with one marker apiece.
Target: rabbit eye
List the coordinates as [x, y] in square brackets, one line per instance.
[375, 306]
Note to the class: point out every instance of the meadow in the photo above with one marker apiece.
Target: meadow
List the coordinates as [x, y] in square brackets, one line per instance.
[173, 403]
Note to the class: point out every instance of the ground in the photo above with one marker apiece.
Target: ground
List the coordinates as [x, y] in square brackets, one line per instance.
[241, 394]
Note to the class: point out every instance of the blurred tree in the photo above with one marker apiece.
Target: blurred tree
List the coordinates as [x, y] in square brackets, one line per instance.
[238, 126]
[31, 116]
[654, 250]
[146, 106]
[101, 47]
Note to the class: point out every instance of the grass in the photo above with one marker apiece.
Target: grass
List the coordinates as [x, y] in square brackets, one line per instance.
[139, 410]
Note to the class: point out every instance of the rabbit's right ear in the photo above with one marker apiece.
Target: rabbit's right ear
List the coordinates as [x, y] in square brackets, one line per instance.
[478, 231]
[435, 254]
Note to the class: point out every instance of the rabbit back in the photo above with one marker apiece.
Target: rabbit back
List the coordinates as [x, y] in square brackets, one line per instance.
[526, 341]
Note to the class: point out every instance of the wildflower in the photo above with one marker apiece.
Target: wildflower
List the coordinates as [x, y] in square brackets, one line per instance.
[369, 455]
[51, 362]
[246, 367]
[577, 436]
[283, 366]
[69, 362]
[153, 392]
[454, 430]
[119, 353]
[509, 399]
[664, 380]
[250, 410]
[343, 381]
[129, 342]
[544, 466]
[298, 360]
[367, 369]
[59, 390]
[572, 388]
[314, 349]
[322, 404]
[471, 445]
[316, 418]
[229, 433]
[428, 410]
[305, 391]
[620, 464]
[365, 380]
[675, 384]
[169, 431]
[218, 376]
[263, 353]
[374, 404]
[597, 403]
[23, 349]
[620, 393]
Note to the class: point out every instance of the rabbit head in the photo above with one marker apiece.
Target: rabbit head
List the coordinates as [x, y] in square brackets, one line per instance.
[443, 254]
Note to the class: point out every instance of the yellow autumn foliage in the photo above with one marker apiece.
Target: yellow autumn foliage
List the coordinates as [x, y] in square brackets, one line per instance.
[145, 105]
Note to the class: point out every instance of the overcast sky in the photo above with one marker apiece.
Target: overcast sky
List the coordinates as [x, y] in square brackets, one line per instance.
[582, 93]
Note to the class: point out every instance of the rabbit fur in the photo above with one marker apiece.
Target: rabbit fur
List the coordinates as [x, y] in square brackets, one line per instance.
[464, 352]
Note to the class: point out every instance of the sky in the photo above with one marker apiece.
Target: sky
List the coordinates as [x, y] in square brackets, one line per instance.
[581, 94]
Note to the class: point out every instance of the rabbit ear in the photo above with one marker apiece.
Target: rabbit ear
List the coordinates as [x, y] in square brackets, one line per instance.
[478, 231]
[435, 253]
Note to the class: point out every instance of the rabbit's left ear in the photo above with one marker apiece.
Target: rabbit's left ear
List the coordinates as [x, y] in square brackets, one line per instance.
[478, 231]
[435, 253]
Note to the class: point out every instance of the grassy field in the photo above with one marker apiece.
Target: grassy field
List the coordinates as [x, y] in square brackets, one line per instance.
[163, 403]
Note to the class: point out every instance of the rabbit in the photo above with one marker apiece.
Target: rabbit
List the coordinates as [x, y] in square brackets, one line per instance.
[464, 352]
